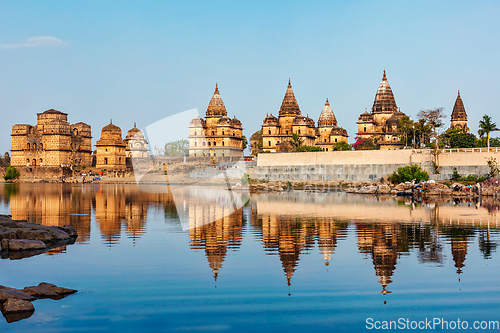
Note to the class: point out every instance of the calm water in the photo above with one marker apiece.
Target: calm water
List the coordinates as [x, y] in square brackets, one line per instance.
[294, 262]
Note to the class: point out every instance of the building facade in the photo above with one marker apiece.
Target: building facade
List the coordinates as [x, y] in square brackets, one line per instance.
[137, 146]
[111, 150]
[459, 116]
[217, 134]
[383, 122]
[52, 142]
[277, 131]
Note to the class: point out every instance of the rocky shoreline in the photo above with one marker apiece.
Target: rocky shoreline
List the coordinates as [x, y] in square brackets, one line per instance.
[20, 238]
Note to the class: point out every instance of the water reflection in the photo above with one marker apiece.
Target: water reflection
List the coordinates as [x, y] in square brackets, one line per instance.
[288, 225]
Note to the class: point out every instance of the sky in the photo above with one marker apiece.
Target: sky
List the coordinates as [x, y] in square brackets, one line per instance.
[142, 61]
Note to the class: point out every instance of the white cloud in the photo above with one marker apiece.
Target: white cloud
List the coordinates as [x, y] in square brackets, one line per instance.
[36, 41]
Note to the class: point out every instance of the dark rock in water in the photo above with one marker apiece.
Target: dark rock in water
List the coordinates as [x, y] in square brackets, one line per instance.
[70, 230]
[42, 235]
[16, 305]
[17, 255]
[8, 293]
[13, 317]
[23, 244]
[47, 290]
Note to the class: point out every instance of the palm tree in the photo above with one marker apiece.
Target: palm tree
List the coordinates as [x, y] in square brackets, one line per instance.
[296, 141]
[485, 127]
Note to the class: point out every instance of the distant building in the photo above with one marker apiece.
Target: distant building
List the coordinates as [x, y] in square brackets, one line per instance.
[217, 134]
[110, 153]
[459, 116]
[383, 122]
[52, 142]
[277, 131]
[137, 146]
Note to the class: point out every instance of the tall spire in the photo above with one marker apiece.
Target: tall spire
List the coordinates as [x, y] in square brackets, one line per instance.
[458, 109]
[327, 118]
[289, 106]
[216, 107]
[384, 99]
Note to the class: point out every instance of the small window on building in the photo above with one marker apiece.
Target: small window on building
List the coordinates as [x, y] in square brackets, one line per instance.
[28, 146]
[299, 130]
[325, 140]
[286, 132]
[209, 143]
[269, 131]
[195, 143]
[34, 162]
[105, 160]
[223, 143]
[203, 142]
[41, 161]
[365, 129]
[213, 133]
[215, 143]
[195, 133]
[269, 143]
[34, 146]
[335, 140]
[222, 154]
[326, 149]
[222, 132]
[75, 132]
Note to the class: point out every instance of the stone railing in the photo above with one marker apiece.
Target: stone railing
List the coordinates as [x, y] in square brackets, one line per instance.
[459, 150]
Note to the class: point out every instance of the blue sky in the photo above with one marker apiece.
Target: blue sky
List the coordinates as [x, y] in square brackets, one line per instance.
[142, 61]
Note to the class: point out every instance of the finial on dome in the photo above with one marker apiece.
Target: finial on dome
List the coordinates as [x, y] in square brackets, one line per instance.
[111, 121]
[384, 78]
[216, 88]
[135, 125]
[289, 82]
[458, 92]
[327, 103]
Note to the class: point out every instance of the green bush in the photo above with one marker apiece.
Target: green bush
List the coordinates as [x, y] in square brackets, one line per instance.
[408, 173]
[308, 148]
[456, 175]
[245, 179]
[11, 173]
[341, 146]
[462, 140]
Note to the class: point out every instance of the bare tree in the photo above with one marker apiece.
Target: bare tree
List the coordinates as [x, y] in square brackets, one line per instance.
[434, 119]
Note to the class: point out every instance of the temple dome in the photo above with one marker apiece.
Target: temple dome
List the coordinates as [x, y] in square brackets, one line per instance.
[384, 99]
[111, 135]
[224, 121]
[327, 118]
[289, 106]
[112, 130]
[197, 122]
[459, 110]
[216, 106]
[270, 120]
[134, 133]
[236, 122]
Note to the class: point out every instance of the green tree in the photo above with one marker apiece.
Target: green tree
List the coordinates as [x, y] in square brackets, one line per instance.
[296, 141]
[177, 148]
[462, 140]
[256, 142]
[11, 173]
[409, 173]
[422, 133]
[339, 146]
[406, 131]
[245, 142]
[485, 127]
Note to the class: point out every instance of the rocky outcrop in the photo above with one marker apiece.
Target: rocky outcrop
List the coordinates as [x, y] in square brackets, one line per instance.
[23, 236]
[16, 304]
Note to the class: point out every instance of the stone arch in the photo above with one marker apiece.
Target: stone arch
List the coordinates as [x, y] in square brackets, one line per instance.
[105, 160]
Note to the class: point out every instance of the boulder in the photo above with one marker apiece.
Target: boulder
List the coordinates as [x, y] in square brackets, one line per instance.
[441, 186]
[16, 305]
[400, 187]
[23, 244]
[7, 234]
[47, 290]
[30, 234]
[383, 189]
[6, 293]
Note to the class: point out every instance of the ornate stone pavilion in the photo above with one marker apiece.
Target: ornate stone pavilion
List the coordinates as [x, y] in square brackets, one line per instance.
[52, 142]
[110, 153]
[382, 123]
[217, 134]
[459, 116]
[276, 132]
[328, 133]
[137, 146]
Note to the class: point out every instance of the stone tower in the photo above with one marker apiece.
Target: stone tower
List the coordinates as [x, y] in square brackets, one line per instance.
[459, 116]
[111, 149]
[328, 133]
[137, 146]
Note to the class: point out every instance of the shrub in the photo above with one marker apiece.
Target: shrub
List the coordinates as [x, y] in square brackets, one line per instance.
[11, 173]
[409, 173]
[493, 165]
[245, 179]
[341, 146]
[462, 140]
[308, 148]
[456, 175]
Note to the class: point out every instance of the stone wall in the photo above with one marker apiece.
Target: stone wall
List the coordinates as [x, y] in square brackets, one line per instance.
[367, 165]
